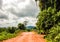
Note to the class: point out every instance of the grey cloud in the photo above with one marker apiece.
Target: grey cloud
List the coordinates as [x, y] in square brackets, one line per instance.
[30, 10]
[0, 4]
[3, 16]
[21, 0]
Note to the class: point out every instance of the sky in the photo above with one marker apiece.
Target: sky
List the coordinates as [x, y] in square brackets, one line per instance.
[13, 12]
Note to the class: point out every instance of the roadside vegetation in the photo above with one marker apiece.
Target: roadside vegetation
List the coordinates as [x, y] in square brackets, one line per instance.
[10, 32]
[49, 20]
[6, 33]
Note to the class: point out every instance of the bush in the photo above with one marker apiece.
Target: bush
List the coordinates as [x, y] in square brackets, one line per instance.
[5, 35]
[11, 29]
[54, 34]
[46, 19]
[2, 29]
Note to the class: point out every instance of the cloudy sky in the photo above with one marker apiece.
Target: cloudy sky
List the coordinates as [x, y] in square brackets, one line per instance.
[13, 12]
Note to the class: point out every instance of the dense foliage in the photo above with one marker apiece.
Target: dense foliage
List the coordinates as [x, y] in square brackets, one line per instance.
[46, 19]
[49, 19]
[45, 4]
[54, 34]
[9, 32]
[21, 26]
[6, 33]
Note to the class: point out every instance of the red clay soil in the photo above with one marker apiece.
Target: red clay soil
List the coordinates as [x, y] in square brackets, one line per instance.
[27, 37]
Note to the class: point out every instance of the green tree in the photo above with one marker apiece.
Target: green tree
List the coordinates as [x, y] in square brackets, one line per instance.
[44, 4]
[2, 29]
[49, 19]
[46, 19]
[11, 29]
[21, 26]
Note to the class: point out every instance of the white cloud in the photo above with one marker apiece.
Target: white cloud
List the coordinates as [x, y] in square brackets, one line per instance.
[30, 20]
[15, 11]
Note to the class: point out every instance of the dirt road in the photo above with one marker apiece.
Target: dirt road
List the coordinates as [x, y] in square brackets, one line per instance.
[27, 37]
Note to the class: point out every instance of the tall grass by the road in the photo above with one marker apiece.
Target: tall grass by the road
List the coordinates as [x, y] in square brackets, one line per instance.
[4, 34]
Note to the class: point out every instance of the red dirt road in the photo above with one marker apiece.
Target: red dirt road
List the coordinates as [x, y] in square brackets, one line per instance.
[27, 37]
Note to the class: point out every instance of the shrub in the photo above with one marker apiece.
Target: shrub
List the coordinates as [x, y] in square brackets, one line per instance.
[11, 29]
[46, 19]
[5, 35]
[54, 34]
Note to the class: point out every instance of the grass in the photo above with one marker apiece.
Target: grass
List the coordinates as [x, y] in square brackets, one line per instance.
[5, 35]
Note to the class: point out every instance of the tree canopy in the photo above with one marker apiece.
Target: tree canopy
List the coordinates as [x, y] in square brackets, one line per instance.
[21, 26]
[44, 4]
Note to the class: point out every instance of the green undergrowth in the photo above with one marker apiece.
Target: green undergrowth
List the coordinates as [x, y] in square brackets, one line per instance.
[6, 35]
[54, 34]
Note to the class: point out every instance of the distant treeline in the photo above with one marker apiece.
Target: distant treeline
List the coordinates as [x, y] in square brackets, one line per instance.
[10, 32]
